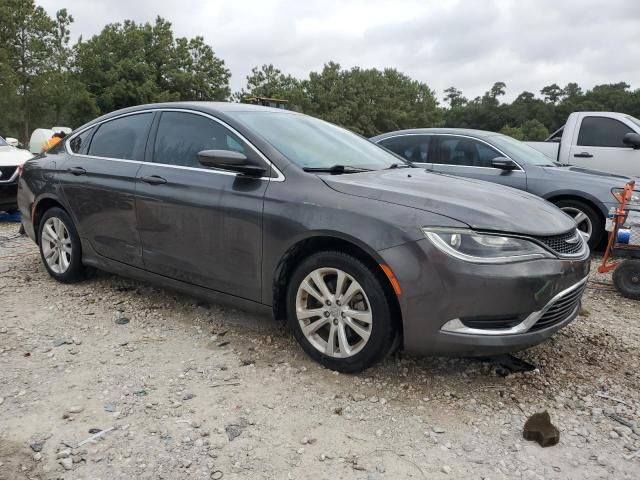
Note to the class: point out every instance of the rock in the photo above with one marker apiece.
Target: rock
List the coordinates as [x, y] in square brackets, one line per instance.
[300, 450]
[122, 321]
[235, 429]
[37, 457]
[613, 434]
[62, 341]
[109, 407]
[37, 444]
[446, 469]
[75, 409]
[374, 399]
[67, 463]
[437, 429]
[358, 397]
[539, 428]
[188, 396]
[1, 400]
[63, 453]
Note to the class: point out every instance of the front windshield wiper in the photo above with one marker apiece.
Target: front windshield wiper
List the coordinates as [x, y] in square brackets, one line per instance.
[401, 165]
[336, 169]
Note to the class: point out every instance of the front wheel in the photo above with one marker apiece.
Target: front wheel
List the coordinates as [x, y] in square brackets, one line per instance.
[339, 312]
[587, 220]
[626, 278]
[60, 246]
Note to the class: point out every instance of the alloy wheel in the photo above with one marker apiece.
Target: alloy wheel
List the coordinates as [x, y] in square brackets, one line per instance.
[583, 222]
[333, 312]
[56, 245]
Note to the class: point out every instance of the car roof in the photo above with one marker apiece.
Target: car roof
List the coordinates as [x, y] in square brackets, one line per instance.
[452, 131]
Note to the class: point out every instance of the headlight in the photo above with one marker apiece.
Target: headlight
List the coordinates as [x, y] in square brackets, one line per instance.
[477, 247]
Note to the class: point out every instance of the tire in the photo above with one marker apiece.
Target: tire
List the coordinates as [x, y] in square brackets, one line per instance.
[574, 208]
[349, 352]
[626, 278]
[72, 270]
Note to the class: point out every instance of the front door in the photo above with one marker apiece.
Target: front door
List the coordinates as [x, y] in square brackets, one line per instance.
[600, 147]
[98, 181]
[469, 157]
[200, 225]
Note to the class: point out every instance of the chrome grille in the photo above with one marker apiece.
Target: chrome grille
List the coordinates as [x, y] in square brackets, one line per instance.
[561, 244]
[561, 309]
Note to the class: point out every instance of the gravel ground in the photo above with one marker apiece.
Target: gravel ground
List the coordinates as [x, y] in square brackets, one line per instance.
[199, 391]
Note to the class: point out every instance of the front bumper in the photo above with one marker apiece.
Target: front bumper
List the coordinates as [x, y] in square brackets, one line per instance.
[448, 305]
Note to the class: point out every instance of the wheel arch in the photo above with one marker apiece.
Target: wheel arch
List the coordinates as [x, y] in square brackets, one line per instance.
[39, 208]
[324, 241]
[587, 199]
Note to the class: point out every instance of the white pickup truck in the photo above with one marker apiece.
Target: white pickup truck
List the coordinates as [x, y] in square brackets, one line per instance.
[606, 141]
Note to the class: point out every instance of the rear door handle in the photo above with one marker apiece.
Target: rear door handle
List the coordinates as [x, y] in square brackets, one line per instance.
[583, 155]
[77, 171]
[153, 180]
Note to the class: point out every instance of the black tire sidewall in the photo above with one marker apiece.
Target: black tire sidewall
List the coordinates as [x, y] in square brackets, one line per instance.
[597, 223]
[382, 331]
[621, 276]
[76, 270]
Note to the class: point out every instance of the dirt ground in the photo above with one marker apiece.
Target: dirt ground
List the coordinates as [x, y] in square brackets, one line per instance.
[196, 391]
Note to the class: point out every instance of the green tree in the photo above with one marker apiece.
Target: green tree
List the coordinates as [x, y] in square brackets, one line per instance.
[454, 97]
[533, 130]
[514, 132]
[552, 93]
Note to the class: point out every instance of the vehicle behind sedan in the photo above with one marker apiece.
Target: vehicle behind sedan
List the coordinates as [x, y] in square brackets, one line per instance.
[276, 211]
[11, 160]
[585, 195]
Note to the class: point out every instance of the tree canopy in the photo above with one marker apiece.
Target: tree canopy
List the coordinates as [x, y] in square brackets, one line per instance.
[46, 80]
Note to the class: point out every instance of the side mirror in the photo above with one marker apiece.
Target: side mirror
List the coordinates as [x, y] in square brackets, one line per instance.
[632, 139]
[12, 141]
[229, 160]
[504, 163]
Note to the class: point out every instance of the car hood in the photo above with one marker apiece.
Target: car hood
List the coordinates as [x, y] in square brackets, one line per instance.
[588, 175]
[481, 205]
[12, 157]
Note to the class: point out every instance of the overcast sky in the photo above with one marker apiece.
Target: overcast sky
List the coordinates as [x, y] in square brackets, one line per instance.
[469, 44]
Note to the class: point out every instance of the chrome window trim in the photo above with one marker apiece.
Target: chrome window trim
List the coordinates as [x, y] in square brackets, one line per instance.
[520, 169]
[456, 326]
[279, 176]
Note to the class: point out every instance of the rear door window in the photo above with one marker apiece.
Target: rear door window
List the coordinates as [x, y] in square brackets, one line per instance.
[602, 132]
[414, 148]
[123, 138]
[182, 135]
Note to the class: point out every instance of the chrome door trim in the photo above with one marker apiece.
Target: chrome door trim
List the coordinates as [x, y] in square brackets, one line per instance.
[279, 176]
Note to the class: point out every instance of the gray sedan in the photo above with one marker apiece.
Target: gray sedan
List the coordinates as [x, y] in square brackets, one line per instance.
[280, 212]
[583, 194]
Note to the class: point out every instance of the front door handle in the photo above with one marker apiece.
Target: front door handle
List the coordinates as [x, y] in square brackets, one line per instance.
[153, 180]
[583, 155]
[77, 171]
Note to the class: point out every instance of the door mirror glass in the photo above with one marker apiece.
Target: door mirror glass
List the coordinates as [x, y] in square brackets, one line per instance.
[229, 160]
[632, 140]
[504, 163]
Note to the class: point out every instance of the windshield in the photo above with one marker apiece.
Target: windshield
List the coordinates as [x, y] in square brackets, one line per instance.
[521, 152]
[312, 143]
[634, 120]
[3, 143]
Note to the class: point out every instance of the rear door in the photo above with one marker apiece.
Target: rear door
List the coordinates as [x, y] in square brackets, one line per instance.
[470, 157]
[416, 148]
[200, 225]
[99, 179]
[599, 146]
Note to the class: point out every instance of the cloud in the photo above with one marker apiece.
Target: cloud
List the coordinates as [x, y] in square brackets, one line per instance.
[469, 44]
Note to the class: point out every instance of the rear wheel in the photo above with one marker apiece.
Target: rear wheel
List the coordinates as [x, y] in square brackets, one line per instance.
[60, 246]
[339, 312]
[626, 278]
[587, 220]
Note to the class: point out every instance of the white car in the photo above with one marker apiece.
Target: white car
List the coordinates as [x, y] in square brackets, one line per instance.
[10, 159]
[606, 141]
